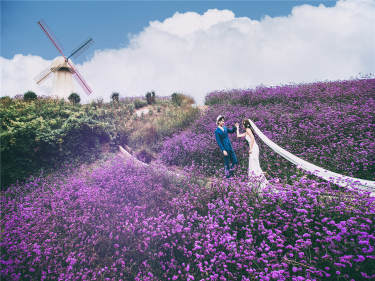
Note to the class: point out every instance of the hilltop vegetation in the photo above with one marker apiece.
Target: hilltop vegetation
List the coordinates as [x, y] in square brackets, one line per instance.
[43, 133]
[119, 221]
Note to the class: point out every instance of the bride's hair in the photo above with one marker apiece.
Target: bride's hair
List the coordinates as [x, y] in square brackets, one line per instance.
[246, 123]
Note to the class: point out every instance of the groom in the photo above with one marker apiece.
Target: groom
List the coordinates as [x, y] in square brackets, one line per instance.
[221, 135]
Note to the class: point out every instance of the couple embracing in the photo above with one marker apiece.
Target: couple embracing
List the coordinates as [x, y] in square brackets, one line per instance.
[230, 159]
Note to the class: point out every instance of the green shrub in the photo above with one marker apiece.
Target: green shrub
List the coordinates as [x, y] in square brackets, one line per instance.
[46, 133]
[5, 101]
[29, 96]
[177, 99]
[181, 99]
[74, 98]
[138, 103]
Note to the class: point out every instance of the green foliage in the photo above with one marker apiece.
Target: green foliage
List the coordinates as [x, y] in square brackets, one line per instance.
[176, 120]
[138, 103]
[5, 101]
[153, 98]
[46, 133]
[29, 96]
[181, 99]
[177, 99]
[152, 132]
[74, 98]
[150, 98]
[115, 97]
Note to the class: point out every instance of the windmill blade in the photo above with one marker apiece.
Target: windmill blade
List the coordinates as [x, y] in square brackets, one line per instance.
[51, 37]
[43, 75]
[80, 79]
[82, 47]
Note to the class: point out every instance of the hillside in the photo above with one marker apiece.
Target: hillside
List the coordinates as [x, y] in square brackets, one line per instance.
[330, 124]
[115, 220]
[45, 134]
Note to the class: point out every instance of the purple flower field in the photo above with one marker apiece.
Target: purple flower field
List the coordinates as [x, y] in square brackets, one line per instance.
[331, 124]
[118, 221]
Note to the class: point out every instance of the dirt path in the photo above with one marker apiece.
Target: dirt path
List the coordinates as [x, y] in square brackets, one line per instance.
[172, 171]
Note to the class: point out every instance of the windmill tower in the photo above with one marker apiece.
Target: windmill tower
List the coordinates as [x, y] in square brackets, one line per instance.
[63, 69]
[62, 85]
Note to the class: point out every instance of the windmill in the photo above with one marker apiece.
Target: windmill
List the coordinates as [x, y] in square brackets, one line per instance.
[63, 69]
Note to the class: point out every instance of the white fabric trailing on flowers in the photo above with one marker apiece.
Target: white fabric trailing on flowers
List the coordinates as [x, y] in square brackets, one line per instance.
[333, 177]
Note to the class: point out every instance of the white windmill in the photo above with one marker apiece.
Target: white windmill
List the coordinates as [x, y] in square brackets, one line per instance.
[63, 69]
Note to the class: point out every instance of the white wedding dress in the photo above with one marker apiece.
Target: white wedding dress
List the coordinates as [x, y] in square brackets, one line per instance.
[254, 170]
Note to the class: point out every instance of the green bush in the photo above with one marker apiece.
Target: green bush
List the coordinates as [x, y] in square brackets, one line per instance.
[46, 133]
[177, 99]
[74, 98]
[138, 103]
[181, 99]
[29, 96]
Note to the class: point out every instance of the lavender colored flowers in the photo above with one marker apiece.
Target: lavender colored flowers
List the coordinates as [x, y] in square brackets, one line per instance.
[119, 221]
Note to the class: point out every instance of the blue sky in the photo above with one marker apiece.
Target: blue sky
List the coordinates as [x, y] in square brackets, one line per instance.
[193, 47]
[108, 22]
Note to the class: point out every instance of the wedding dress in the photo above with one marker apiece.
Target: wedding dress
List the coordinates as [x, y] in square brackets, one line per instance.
[254, 170]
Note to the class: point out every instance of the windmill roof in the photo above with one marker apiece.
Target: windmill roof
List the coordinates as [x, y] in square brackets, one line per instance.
[59, 63]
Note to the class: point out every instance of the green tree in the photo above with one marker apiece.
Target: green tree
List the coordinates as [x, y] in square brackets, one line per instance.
[74, 98]
[149, 97]
[115, 97]
[29, 95]
[153, 97]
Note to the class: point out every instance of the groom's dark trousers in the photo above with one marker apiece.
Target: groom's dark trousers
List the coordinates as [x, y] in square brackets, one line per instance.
[224, 143]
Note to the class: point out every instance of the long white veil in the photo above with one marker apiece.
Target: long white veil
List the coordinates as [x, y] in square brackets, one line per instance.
[330, 176]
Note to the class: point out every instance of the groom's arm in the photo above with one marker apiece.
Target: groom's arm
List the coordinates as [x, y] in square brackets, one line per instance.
[232, 130]
[219, 142]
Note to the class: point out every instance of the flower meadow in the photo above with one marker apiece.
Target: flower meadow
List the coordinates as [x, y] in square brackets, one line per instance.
[119, 221]
[330, 124]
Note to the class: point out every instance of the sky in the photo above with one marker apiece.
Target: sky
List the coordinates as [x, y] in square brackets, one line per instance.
[191, 47]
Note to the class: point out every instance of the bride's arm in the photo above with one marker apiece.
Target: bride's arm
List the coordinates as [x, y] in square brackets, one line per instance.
[238, 133]
[252, 140]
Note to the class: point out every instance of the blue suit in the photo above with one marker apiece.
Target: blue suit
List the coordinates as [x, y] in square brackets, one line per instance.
[224, 143]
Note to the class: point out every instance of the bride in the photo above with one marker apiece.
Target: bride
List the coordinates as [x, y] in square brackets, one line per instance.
[254, 166]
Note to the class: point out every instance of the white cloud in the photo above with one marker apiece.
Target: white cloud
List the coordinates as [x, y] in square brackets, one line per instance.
[196, 54]
[17, 75]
